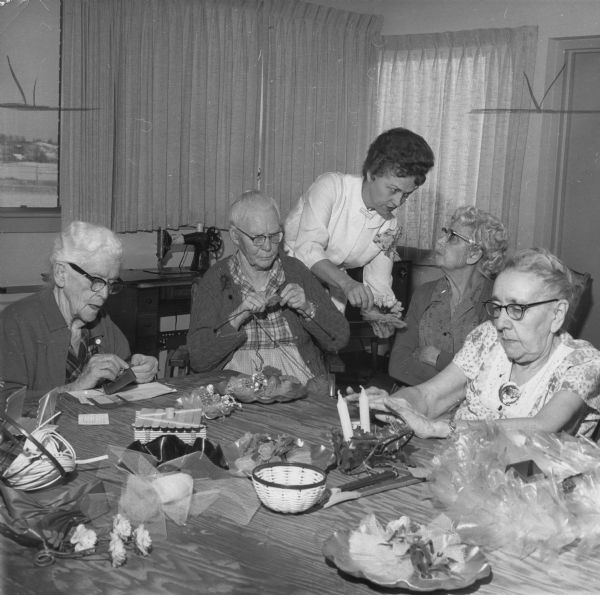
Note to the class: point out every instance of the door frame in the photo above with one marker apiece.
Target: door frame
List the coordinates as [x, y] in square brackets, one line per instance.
[561, 51]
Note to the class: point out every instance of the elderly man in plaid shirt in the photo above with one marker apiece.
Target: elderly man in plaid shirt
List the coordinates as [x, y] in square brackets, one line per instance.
[259, 307]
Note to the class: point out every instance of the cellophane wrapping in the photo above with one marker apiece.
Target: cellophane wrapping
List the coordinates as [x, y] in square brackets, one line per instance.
[185, 486]
[495, 507]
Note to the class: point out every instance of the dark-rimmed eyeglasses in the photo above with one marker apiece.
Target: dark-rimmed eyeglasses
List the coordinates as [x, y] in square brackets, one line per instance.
[450, 234]
[98, 283]
[514, 311]
[274, 238]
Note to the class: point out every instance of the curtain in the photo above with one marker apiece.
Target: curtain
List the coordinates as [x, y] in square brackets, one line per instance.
[173, 89]
[434, 84]
[319, 94]
[194, 101]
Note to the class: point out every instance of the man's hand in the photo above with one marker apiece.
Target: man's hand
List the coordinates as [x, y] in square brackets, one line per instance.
[102, 366]
[144, 367]
[358, 295]
[293, 296]
[253, 304]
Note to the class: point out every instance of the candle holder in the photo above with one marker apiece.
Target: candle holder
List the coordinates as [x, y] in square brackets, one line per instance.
[368, 450]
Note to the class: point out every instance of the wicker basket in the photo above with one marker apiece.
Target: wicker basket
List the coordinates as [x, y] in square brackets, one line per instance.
[288, 487]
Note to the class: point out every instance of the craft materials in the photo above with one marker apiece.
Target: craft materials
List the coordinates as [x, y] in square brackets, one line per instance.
[344, 414]
[93, 419]
[186, 424]
[365, 415]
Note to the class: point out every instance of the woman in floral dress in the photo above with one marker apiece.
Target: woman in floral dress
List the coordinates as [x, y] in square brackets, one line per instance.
[521, 368]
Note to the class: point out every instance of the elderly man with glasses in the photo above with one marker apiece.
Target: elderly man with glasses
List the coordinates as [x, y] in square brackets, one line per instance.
[61, 336]
[259, 307]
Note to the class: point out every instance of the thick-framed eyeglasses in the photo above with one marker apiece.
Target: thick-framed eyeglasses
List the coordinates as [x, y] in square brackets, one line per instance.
[274, 238]
[514, 311]
[98, 283]
[452, 237]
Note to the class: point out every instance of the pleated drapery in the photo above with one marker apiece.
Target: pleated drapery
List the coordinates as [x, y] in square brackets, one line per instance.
[434, 84]
[319, 93]
[194, 101]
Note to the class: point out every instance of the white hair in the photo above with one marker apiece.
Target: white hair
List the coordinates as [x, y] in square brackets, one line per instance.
[81, 242]
[249, 202]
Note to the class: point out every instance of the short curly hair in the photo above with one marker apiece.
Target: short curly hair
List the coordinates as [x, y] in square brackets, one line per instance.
[555, 274]
[490, 235]
[81, 242]
[400, 152]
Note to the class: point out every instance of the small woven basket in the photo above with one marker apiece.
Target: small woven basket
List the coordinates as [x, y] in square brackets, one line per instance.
[288, 487]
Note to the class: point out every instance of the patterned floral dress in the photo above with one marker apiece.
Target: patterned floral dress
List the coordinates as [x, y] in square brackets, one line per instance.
[574, 366]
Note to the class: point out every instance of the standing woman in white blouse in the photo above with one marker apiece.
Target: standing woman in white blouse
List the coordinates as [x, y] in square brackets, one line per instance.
[346, 221]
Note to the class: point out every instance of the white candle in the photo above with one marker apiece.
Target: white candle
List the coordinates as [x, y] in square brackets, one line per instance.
[363, 405]
[344, 414]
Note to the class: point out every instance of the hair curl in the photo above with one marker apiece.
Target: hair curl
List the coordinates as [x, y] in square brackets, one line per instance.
[81, 242]
[248, 202]
[556, 276]
[399, 152]
[490, 235]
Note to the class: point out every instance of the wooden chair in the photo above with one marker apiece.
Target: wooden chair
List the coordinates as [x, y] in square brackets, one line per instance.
[580, 304]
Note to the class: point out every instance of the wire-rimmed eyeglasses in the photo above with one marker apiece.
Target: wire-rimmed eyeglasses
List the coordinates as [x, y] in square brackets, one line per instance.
[259, 240]
[450, 234]
[98, 283]
[514, 311]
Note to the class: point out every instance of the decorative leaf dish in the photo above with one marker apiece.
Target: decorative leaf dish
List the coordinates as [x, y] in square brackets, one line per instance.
[251, 450]
[407, 555]
[267, 386]
[210, 403]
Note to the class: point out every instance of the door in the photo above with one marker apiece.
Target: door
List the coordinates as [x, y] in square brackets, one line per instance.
[577, 199]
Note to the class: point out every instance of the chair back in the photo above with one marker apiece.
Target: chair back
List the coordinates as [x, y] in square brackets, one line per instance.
[580, 303]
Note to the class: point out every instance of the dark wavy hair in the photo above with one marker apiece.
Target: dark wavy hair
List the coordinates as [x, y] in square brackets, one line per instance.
[399, 152]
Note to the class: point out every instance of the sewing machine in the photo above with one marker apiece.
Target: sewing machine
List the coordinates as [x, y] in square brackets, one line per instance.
[203, 242]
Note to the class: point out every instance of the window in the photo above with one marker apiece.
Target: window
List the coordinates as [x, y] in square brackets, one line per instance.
[29, 114]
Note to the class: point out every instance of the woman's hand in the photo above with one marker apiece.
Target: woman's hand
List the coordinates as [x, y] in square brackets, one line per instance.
[358, 295]
[102, 366]
[376, 396]
[144, 367]
[422, 426]
[293, 296]
[383, 330]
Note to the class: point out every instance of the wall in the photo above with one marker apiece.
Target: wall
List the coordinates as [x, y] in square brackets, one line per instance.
[555, 18]
[23, 255]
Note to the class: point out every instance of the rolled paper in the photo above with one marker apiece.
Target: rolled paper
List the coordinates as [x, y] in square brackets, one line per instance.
[363, 406]
[344, 414]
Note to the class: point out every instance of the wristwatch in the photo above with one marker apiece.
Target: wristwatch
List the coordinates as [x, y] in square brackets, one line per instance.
[312, 310]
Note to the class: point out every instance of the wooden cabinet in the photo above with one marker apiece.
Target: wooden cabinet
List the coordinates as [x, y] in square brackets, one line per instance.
[146, 298]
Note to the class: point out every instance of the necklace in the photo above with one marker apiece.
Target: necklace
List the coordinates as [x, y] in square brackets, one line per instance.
[508, 393]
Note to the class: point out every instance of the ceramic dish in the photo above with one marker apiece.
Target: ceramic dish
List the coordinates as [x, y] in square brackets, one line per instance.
[382, 568]
[274, 389]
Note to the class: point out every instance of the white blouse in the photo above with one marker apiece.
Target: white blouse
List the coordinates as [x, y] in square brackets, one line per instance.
[330, 221]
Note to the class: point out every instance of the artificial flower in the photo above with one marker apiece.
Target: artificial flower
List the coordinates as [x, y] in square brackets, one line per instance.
[143, 542]
[83, 539]
[116, 549]
[122, 527]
